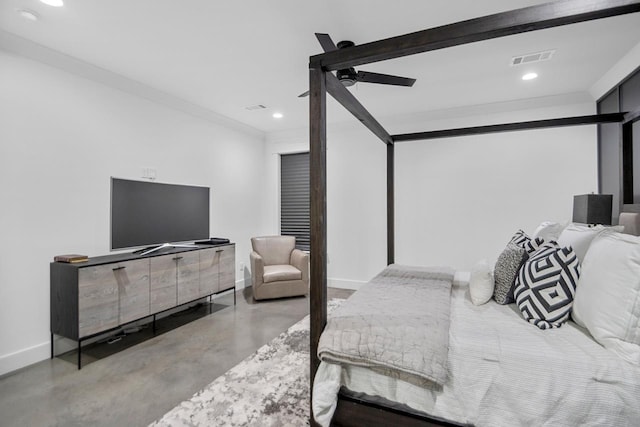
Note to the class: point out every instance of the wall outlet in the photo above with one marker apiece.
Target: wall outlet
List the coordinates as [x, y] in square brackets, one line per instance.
[149, 173]
[241, 266]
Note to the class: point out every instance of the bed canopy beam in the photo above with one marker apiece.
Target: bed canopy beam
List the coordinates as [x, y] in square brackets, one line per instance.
[391, 238]
[632, 116]
[502, 24]
[318, 209]
[509, 127]
[348, 101]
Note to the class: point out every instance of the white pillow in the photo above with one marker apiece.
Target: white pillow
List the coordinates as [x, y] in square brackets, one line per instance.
[607, 300]
[549, 230]
[481, 283]
[579, 237]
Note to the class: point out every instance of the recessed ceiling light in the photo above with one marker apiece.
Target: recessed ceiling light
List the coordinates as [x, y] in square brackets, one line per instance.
[54, 3]
[278, 115]
[529, 76]
[29, 15]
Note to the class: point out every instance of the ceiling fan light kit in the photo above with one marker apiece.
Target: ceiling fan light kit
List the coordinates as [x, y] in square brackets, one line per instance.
[348, 76]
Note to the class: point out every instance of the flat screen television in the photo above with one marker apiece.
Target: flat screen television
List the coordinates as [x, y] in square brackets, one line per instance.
[145, 213]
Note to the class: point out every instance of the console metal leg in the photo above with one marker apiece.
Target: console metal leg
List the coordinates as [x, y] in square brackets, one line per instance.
[154, 324]
[234, 294]
[79, 354]
[52, 351]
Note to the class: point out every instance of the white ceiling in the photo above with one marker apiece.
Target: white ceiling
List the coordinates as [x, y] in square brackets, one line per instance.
[225, 56]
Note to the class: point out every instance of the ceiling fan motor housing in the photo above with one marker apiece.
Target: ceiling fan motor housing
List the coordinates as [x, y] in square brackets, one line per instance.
[345, 43]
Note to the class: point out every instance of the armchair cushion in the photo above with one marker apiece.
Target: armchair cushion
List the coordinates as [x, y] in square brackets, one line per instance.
[278, 273]
[274, 250]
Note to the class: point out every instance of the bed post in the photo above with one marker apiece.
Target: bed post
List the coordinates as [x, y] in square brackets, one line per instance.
[391, 256]
[318, 185]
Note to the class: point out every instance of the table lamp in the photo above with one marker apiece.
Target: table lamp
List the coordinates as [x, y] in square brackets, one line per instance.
[592, 208]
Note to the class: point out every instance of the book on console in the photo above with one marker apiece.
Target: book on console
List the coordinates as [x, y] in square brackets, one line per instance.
[71, 258]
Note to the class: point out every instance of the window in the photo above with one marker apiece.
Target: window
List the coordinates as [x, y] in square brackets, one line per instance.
[294, 198]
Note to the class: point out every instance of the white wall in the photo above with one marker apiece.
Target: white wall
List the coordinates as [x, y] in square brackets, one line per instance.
[61, 138]
[458, 200]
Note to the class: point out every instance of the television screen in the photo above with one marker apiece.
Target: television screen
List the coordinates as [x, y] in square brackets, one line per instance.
[147, 213]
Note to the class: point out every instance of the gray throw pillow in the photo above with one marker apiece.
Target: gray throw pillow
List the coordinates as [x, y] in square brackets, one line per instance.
[506, 271]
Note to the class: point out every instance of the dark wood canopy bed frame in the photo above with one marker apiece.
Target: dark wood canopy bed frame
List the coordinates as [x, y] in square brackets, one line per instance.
[350, 410]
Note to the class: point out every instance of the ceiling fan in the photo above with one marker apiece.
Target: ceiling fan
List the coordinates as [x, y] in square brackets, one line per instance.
[349, 76]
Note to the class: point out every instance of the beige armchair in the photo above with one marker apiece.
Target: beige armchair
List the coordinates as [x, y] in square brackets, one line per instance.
[278, 269]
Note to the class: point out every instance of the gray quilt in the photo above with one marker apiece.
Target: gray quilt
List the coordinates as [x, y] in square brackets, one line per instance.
[397, 324]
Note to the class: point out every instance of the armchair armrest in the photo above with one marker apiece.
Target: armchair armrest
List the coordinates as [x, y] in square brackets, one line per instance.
[257, 269]
[300, 260]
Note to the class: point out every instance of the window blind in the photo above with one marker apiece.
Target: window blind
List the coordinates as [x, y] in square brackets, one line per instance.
[294, 198]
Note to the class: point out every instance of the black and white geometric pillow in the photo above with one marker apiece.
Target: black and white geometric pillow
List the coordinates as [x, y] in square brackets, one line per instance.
[546, 285]
[524, 241]
[520, 238]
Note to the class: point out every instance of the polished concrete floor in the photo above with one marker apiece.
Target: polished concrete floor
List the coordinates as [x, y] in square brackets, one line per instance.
[135, 380]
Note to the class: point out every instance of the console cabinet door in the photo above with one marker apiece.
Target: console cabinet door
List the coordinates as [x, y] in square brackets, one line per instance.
[209, 268]
[188, 276]
[163, 275]
[97, 299]
[133, 288]
[227, 276]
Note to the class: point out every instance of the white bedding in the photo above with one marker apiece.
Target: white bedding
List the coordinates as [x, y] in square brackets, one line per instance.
[506, 372]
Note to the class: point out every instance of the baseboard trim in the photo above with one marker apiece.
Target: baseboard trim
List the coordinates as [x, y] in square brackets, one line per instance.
[240, 284]
[345, 284]
[23, 358]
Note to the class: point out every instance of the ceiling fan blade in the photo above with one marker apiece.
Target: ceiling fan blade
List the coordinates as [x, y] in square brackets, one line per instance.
[385, 79]
[302, 95]
[325, 41]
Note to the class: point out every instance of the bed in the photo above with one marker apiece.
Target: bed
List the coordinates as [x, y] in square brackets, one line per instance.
[502, 372]
[441, 351]
[353, 407]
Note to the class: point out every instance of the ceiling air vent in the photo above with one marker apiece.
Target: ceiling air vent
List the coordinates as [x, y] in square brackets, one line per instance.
[532, 57]
[256, 107]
